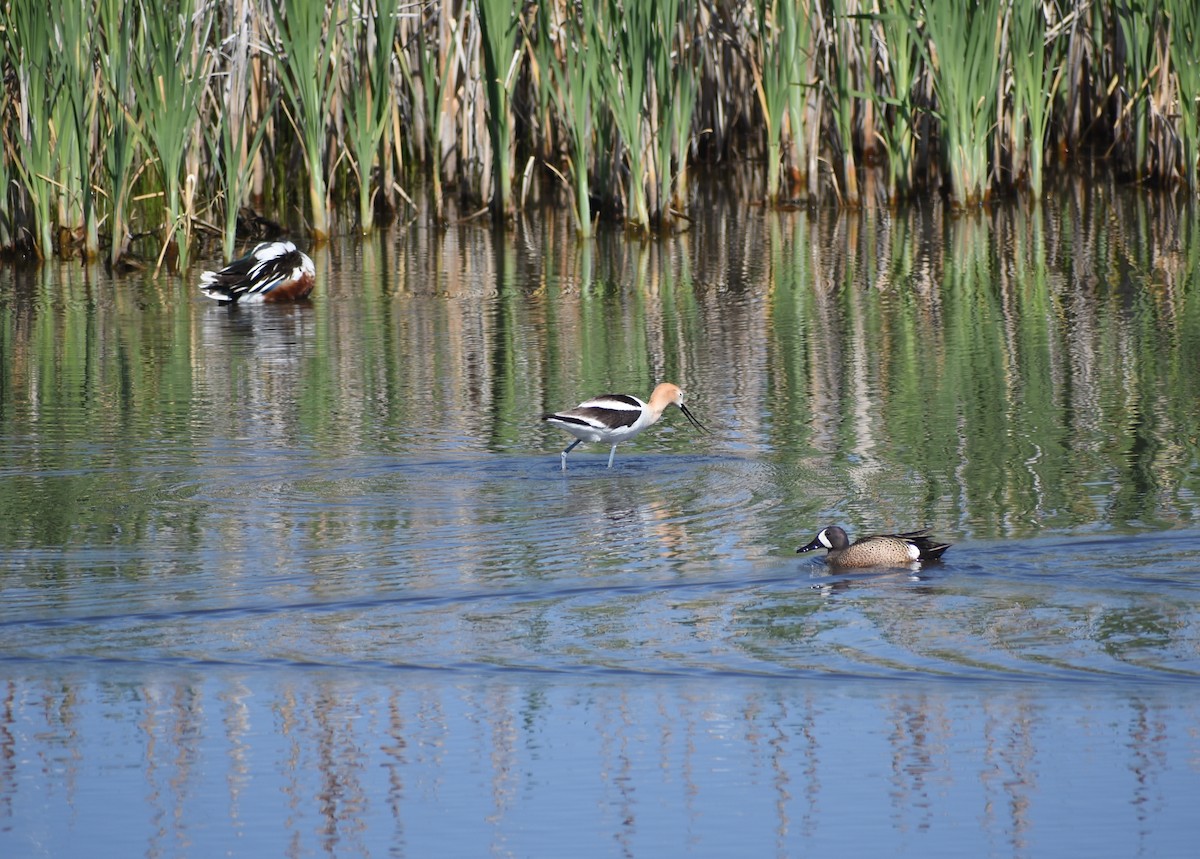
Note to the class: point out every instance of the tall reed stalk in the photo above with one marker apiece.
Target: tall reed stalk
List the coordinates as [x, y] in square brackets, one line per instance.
[839, 63]
[241, 132]
[169, 85]
[667, 112]
[78, 130]
[1184, 22]
[624, 84]
[429, 77]
[371, 34]
[1035, 69]
[961, 52]
[29, 36]
[118, 51]
[574, 78]
[7, 198]
[806, 102]
[686, 83]
[501, 57]
[897, 52]
[1135, 52]
[778, 67]
[848, 87]
[307, 71]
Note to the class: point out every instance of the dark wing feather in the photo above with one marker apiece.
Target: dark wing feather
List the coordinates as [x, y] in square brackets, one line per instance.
[611, 418]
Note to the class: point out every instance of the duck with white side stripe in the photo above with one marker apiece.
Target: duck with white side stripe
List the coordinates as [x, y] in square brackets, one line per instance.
[272, 272]
[878, 550]
[614, 418]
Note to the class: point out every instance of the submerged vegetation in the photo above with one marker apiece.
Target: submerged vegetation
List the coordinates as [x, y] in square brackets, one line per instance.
[160, 121]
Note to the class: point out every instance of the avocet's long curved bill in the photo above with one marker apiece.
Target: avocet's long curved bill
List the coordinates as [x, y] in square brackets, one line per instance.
[694, 421]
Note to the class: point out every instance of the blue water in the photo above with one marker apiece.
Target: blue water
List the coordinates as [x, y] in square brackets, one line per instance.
[293, 760]
[309, 580]
[551, 664]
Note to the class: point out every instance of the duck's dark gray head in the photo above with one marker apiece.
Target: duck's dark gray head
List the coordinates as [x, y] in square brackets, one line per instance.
[832, 537]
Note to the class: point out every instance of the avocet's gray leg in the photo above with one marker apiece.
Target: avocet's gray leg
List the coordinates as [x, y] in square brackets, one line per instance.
[570, 448]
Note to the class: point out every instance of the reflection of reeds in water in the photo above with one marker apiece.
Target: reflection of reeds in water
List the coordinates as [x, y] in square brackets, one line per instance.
[150, 120]
[1031, 368]
[999, 372]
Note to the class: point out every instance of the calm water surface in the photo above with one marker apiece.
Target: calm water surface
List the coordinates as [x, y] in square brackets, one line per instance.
[309, 581]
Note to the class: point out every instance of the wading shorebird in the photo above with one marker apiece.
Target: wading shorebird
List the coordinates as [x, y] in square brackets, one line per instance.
[878, 550]
[273, 271]
[614, 418]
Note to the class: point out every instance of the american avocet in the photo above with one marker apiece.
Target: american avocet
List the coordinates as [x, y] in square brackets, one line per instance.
[614, 418]
[273, 271]
[879, 550]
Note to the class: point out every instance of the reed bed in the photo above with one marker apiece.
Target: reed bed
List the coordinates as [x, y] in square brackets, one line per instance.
[131, 130]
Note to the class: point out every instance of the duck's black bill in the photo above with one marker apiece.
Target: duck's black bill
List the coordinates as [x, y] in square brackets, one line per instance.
[815, 544]
[691, 417]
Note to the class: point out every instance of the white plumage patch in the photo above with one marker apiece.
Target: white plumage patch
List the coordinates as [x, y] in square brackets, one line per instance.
[272, 250]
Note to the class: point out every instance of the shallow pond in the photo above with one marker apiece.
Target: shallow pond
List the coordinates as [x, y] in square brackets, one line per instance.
[309, 580]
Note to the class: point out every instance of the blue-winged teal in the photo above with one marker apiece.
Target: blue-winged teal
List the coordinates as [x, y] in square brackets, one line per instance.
[879, 550]
[614, 418]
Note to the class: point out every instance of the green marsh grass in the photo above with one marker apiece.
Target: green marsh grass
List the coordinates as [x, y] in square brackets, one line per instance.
[573, 83]
[1134, 55]
[28, 33]
[498, 21]
[1184, 22]
[683, 112]
[7, 240]
[369, 98]
[848, 85]
[307, 72]
[1036, 70]
[116, 20]
[805, 104]
[778, 68]
[625, 85]
[6, 196]
[241, 128]
[541, 39]
[896, 65]
[168, 88]
[148, 120]
[669, 80]
[78, 216]
[961, 52]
